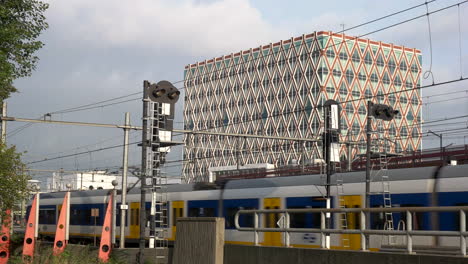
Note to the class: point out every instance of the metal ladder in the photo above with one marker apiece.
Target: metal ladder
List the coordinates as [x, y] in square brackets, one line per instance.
[342, 204]
[382, 174]
[158, 184]
[386, 195]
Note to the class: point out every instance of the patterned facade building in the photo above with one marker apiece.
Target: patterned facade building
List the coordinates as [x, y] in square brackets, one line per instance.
[278, 90]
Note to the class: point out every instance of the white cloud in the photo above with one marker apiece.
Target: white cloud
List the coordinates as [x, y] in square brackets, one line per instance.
[186, 27]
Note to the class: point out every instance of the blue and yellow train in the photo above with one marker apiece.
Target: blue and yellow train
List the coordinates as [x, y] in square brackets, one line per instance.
[426, 186]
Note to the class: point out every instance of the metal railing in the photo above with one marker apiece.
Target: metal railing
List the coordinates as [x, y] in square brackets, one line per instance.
[362, 231]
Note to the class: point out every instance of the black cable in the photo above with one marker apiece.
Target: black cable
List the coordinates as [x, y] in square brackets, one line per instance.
[442, 94]
[81, 153]
[91, 104]
[342, 103]
[429, 72]
[282, 147]
[100, 106]
[260, 56]
[446, 100]
[460, 43]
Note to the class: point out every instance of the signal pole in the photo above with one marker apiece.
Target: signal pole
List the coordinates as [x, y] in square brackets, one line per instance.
[368, 165]
[158, 117]
[330, 148]
[378, 111]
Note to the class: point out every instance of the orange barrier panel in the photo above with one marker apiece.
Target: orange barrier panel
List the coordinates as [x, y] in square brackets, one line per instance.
[61, 232]
[106, 235]
[5, 238]
[31, 232]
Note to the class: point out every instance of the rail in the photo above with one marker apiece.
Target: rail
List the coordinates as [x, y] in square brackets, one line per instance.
[362, 231]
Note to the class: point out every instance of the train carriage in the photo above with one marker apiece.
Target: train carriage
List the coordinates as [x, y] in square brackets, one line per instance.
[426, 186]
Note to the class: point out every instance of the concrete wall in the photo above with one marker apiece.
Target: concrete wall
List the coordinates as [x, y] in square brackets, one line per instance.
[235, 254]
[200, 240]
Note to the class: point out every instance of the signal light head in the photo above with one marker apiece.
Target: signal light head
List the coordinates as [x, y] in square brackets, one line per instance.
[159, 92]
[162, 92]
[384, 112]
[174, 95]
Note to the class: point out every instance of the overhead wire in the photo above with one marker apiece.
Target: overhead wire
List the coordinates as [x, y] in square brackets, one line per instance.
[261, 56]
[81, 153]
[279, 114]
[429, 71]
[76, 108]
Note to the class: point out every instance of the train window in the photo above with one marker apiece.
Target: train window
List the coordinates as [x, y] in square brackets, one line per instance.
[298, 220]
[377, 219]
[230, 214]
[201, 212]
[418, 217]
[245, 220]
[81, 215]
[47, 216]
[148, 215]
[305, 220]
[457, 217]
[118, 216]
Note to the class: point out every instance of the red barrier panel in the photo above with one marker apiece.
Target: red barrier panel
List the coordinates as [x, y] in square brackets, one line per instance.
[106, 235]
[5, 238]
[61, 232]
[31, 233]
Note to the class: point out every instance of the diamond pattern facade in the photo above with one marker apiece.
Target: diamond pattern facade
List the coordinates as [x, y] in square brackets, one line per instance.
[278, 90]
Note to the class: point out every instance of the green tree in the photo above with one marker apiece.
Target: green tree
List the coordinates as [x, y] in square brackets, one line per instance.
[13, 181]
[21, 23]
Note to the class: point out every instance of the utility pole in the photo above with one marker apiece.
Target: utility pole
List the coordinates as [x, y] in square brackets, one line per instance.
[123, 202]
[440, 146]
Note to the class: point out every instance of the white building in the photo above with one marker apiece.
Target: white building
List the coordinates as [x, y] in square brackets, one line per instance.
[86, 181]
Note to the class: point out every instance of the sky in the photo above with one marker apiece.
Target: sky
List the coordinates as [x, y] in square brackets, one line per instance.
[98, 50]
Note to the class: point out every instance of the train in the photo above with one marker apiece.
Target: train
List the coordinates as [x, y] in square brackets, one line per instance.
[410, 187]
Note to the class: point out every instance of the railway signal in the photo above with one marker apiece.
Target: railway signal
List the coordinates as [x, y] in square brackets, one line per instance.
[383, 112]
[158, 117]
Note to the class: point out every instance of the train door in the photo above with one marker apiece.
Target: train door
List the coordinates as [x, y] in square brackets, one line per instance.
[270, 220]
[353, 222]
[177, 211]
[134, 220]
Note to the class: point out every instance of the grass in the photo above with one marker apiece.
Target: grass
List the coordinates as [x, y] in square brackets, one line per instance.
[73, 254]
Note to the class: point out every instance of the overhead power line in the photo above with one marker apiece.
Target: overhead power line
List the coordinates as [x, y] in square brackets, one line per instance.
[310, 108]
[92, 104]
[81, 153]
[261, 56]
